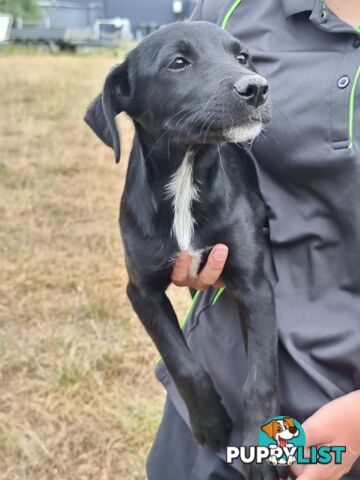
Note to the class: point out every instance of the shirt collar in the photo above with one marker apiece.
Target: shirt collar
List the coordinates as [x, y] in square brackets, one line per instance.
[291, 7]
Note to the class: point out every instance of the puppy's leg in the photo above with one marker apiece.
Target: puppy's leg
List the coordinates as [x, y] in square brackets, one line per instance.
[210, 422]
[261, 386]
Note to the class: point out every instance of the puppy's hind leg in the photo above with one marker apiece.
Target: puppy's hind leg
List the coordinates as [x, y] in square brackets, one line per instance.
[209, 420]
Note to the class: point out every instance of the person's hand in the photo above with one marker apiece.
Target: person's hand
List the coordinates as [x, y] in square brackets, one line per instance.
[209, 275]
[337, 423]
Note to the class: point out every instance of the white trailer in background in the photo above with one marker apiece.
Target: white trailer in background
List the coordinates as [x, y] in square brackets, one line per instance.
[112, 29]
[6, 22]
[104, 33]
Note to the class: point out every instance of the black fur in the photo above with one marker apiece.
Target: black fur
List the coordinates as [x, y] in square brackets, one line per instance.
[174, 111]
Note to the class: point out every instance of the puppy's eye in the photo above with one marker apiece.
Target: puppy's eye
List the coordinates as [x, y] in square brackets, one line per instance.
[178, 63]
[243, 58]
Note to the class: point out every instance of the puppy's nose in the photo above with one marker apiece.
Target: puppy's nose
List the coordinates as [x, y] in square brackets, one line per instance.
[293, 430]
[253, 88]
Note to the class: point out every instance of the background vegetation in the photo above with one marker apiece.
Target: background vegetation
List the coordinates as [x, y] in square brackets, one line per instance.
[78, 398]
[28, 10]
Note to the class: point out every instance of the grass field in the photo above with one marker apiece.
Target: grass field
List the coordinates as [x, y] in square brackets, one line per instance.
[78, 398]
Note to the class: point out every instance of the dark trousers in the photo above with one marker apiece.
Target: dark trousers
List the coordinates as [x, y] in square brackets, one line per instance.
[175, 455]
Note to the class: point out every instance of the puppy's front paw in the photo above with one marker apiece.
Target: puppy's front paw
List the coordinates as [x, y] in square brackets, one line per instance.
[212, 427]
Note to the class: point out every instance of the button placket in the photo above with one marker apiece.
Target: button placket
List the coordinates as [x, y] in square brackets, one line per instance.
[356, 42]
[339, 101]
[354, 114]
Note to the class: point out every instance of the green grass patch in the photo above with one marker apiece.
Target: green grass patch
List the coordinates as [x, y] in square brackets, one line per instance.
[71, 374]
[4, 169]
[30, 50]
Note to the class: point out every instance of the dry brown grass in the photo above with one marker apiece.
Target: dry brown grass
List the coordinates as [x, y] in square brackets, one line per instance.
[78, 398]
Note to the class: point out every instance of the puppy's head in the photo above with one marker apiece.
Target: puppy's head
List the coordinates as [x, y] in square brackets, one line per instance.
[193, 81]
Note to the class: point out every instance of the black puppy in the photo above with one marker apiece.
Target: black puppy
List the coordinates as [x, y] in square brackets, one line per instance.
[191, 91]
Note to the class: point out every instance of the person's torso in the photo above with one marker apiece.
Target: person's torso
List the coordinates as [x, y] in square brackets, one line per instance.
[308, 162]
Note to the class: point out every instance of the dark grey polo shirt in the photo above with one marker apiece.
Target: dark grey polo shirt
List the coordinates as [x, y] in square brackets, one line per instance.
[309, 170]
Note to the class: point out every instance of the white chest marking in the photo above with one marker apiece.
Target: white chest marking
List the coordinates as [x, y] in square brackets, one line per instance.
[195, 262]
[182, 190]
[243, 134]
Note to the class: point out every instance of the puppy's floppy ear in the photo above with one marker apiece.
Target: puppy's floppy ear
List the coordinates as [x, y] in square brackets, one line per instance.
[270, 428]
[101, 114]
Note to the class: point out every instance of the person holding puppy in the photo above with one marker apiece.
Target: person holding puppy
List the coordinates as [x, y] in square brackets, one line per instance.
[308, 163]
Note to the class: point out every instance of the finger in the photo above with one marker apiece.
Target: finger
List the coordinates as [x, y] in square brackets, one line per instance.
[213, 267]
[180, 273]
[195, 284]
[297, 469]
[316, 431]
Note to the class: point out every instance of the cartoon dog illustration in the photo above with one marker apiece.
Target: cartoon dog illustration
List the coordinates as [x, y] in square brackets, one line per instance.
[281, 431]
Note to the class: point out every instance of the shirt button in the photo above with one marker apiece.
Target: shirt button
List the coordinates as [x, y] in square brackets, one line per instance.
[343, 82]
[356, 42]
[324, 15]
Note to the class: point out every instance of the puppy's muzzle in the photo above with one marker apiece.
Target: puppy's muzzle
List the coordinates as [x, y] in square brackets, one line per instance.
[254, 89]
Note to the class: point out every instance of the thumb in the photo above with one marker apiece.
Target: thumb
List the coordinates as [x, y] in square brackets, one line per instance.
[310, 473]
[297, 469]
[316, 431]
[322, 472]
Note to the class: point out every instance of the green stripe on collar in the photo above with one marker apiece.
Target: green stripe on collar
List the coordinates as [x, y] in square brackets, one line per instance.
[229, 13]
